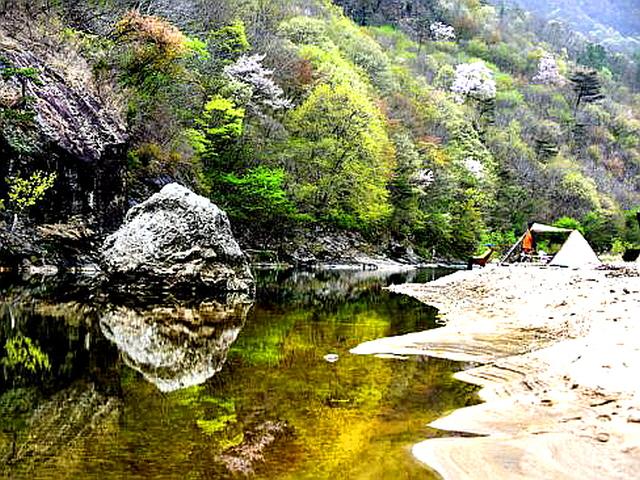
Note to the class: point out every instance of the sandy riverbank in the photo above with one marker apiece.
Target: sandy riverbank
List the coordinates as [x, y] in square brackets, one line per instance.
[559, 362]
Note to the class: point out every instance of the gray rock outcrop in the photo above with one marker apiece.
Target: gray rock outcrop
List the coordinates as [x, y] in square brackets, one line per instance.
[74, 132]
[176, 240]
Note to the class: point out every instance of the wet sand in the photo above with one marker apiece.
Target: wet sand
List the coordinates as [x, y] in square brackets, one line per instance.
[557, 354]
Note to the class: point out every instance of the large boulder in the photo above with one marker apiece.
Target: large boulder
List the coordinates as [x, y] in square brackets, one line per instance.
[176, 240]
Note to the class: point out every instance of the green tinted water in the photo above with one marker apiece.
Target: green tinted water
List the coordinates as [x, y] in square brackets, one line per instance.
[93, 390]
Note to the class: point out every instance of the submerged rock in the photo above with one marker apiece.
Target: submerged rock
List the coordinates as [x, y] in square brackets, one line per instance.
[242, 459]
[176, 240]
[176, 347]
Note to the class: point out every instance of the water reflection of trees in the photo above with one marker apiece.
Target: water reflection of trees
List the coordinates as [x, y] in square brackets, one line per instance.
[61, 379]
[276, 397]
[45, 350]
[330, 288]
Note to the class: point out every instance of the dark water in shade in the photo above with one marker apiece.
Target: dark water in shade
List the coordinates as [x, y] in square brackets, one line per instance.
[218, 390]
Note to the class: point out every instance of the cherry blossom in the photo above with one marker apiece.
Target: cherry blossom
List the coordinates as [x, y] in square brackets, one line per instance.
[442, 32]
[548, 71]
[249, 71]
[474, 80]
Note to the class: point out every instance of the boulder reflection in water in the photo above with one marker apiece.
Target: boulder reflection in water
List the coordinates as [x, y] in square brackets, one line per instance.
[176, 347]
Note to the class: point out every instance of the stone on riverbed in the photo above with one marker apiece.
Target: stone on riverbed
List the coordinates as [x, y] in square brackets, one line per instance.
[176, 240]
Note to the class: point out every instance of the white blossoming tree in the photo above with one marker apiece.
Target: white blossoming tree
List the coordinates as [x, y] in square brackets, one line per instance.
[263, 92]
[474, 80]
[548, 72]
[422, 180]
[442, 32]
[474, 167]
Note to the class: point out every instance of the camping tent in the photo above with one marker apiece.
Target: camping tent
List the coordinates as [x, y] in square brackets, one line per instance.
[574, 253]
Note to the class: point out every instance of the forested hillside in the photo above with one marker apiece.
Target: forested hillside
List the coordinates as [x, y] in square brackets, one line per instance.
[439, 125]
[615, 23]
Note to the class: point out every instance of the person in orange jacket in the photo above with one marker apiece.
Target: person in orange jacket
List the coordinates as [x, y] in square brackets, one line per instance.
[528, 243]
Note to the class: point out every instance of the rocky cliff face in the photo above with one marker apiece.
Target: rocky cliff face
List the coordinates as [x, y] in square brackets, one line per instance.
[72, 133]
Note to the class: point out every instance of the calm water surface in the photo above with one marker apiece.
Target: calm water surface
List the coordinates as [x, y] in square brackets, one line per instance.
[90, 389]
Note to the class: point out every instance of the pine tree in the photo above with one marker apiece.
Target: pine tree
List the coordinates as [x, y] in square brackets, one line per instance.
[587, 86]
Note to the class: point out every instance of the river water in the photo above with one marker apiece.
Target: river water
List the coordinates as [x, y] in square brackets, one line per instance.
[218, 389]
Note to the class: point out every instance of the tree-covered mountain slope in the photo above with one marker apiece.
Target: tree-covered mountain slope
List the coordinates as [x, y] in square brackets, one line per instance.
[614, 23]
[438, 125]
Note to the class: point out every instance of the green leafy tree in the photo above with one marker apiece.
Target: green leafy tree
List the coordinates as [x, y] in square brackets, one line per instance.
[594, 56]
[17, 115]
[601, 227]
[23, 75]
[216, 132]
[406, 189]
[25, 193]
[632, 226]
[229, 43]
[342, 157]
[257, 197]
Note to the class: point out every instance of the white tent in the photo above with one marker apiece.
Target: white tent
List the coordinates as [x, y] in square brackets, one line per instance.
[576, 253]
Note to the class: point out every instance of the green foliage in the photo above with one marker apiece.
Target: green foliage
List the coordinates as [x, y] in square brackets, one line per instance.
[20, 73]
[501, 241]
[374, 118]
[569, 223]
[619, 246]
[509, 98]
[17, 115]
[27, 192]
[155, 48]
[600, 227]
[580, 190]
[306, 31]
[197, 48]
[229, 42]
[257, 197]
[22, 357]
[477, 48]
[342, 156]
[508, 57]
[361, 49]
[17, 130]
[594, 56]
[405, 194]
[216, 130]
[631, 229]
